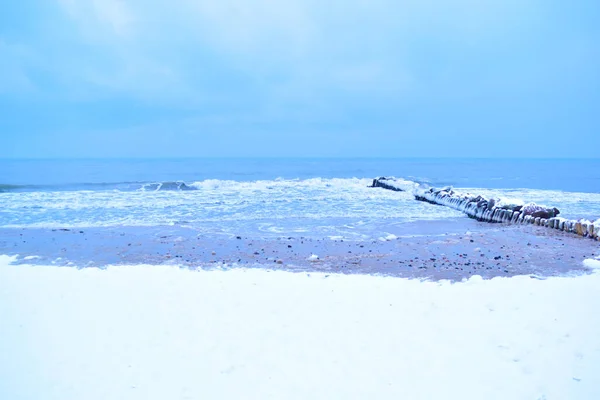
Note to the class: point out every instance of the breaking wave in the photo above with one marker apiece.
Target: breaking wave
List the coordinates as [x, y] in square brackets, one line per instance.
[345, 207]
[207, 184]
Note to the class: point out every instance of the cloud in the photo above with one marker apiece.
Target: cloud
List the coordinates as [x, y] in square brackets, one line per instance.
[13, 76]
[96, 18]
[385, 66]
[277, 50]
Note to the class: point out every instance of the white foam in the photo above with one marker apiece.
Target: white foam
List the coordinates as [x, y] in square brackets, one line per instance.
[141, 332]
[323, 207]
[506, 201]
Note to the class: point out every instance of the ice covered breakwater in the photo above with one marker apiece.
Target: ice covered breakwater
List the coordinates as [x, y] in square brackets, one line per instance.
[496, 210]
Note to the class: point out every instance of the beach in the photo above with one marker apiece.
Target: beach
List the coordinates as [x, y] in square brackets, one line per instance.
[426, 250]
[290, 287]
[484, 311]
[253, 200]
[154, 332]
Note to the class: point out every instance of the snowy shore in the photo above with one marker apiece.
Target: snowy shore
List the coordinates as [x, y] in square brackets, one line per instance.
[159, 332]
[454, 250]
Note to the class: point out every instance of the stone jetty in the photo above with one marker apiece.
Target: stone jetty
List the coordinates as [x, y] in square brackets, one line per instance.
[498, 211]
[389, 184]
[395, 184]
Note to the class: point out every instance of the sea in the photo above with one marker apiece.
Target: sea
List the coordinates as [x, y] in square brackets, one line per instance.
[275, 197]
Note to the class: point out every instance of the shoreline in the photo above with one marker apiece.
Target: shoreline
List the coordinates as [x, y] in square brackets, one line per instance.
[433, 250]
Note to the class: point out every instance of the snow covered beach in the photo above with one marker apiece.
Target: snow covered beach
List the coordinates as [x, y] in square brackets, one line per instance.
[156, 332]
[305, 286]
[452, 249]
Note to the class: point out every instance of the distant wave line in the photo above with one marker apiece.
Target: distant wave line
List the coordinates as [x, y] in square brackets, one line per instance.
[176, 185]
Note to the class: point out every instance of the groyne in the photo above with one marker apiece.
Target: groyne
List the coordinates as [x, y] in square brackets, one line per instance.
[499, 211]
[397, 185]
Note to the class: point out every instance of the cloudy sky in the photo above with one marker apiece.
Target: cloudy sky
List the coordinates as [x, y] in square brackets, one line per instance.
[158, 78]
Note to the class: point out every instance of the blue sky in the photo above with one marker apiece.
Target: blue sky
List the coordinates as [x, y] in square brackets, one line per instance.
[153, 78]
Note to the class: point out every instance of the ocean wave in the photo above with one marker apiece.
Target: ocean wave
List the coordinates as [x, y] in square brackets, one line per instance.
[180, 185]
[5, 188]
[169, 185]
[231, 206]
[67, 187]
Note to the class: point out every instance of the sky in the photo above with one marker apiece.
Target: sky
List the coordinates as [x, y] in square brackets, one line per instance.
[235, 78]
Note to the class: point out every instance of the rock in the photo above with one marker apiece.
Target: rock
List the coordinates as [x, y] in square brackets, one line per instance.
[515, 217]
[498, 215]
[386, 183]
[578, 228]
[539, 211]
[569, 226]
[501, 215]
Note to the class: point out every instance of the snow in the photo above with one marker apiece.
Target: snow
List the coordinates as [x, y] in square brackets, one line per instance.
[592, 263]
[388, 238]
[159, 332]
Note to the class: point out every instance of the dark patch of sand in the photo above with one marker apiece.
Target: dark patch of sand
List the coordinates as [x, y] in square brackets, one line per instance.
[428, 250]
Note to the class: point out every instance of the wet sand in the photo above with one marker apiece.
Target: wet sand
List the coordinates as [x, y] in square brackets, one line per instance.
[433, 250]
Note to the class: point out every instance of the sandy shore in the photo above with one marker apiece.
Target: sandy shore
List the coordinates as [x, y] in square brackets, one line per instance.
[162, 332]
[434, 250]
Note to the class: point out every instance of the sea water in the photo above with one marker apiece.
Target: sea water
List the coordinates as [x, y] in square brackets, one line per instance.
[267, 198]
